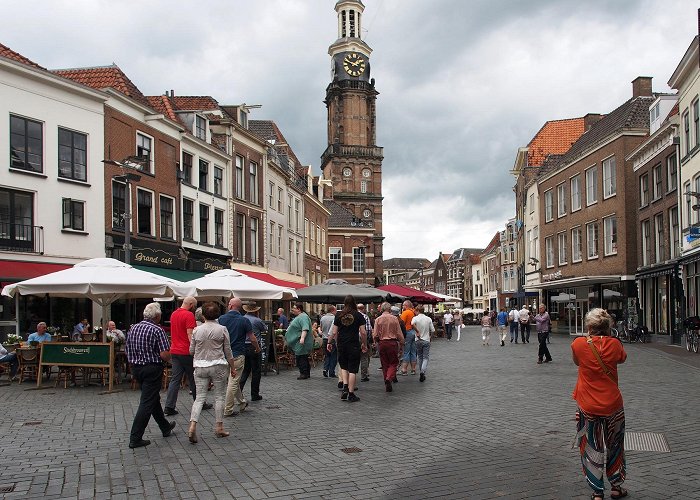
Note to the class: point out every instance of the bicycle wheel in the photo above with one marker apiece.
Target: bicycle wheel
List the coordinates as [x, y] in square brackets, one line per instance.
[688, 340]
[696, 342]
[624, 336]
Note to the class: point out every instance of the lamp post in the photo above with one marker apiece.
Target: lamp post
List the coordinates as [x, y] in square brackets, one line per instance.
[364, 263]
[127, 178]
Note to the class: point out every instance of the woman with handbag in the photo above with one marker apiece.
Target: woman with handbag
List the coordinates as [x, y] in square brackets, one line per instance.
[601, 414]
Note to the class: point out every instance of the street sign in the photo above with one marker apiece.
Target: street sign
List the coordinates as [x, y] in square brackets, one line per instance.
[694, 231]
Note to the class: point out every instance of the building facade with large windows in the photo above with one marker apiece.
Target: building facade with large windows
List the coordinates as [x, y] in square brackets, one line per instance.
[51, 184]
[686, 80]
[655, 163]
[588, 213]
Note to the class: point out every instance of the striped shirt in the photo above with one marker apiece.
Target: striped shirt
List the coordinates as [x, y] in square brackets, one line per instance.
[144, 343]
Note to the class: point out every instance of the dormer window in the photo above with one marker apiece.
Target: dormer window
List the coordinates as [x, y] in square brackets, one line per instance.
[654, 113]
[243, 118]
[200, 127]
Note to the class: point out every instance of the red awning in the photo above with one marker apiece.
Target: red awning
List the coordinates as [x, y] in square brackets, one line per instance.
[271, 279]
[411, 293]
[13, 270]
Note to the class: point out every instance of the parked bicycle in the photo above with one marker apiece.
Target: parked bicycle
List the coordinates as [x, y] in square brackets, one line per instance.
[692, 333]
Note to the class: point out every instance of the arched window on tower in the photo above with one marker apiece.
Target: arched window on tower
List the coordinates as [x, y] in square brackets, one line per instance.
[343, 28]
[352, 23]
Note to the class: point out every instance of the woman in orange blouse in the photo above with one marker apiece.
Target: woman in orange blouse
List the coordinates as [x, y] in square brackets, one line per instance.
[601, 414]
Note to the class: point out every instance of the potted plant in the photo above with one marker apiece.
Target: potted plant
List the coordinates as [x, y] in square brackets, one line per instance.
[14, 340]
[115, 336]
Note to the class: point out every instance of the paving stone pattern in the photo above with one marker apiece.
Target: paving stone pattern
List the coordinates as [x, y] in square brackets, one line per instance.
[487, 423]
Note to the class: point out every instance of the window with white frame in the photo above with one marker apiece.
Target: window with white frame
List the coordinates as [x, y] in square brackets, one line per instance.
[167, 217]
[609, 177]
[254, 225]
[253, 179]
[187, 160]
[203, 224]
[674, 246]
[549, 251]
[535, 242]
[298, 256]
[532, 203]
[200, 127]
[548, 206]
[644, 190]
[592, 239]
[219, 227]
[272, 195]
[291, 252]
[203, 175]
[290, 219]
[512, 253]
[358, 259]
[696, 121]
[280, 236]
[144, 211]
[297, 214]
[646, 242]
[576, 246]
[26, 144]
[119, 195]
[188, 219]
[240, 194]
[610, 234]
[576, 193]
[561, 241]
[271, 237]
[240, 236]
[528, 248]
[323, 242]
[72, 155]
[73, 214]
[335, 259]
[363, 186]
[561, 200]
[658, 183]
[686, 132]
[218, 181]
[672, 169]
[591, 185]
[312, 239]
[306, 233]
[318, 241]
[280, 203]
[659, 240]
[144, 149]
[688, 204]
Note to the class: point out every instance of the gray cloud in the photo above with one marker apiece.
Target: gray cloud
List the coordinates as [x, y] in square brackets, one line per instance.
[462, 84]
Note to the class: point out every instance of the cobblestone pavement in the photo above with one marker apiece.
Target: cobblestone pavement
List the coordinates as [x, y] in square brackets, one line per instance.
[487, 423]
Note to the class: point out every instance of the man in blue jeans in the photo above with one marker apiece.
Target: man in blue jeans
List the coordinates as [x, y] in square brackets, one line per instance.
[331, 359]
[409, 347]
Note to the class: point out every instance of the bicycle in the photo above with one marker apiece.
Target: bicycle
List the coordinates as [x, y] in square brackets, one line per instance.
[692, 333]
[624, 333]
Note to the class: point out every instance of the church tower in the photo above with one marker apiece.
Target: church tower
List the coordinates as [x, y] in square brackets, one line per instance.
[352, 162]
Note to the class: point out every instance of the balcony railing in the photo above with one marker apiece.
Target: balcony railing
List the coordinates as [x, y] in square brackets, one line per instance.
[357, 151]
[21, 238]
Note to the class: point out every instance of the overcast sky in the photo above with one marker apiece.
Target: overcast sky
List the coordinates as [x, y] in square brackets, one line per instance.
[463, 84]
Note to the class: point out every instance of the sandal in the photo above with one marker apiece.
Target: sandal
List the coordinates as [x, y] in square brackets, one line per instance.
[598, 496]
[618, 492]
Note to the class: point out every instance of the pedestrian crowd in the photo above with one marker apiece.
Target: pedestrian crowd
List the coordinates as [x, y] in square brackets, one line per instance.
[221, 352]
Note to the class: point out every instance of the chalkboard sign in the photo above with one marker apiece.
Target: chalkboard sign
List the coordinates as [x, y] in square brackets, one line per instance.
[269, 355]
[78, 354]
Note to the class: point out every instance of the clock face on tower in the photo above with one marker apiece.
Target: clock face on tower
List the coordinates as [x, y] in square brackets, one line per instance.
[354, 64]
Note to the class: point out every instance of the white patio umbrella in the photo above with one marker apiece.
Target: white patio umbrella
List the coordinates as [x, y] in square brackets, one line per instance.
[229, 283]
[102, 280]
[446, 298]
[562, 297]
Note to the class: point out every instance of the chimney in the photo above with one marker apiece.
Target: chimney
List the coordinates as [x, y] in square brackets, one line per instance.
[590, 119]
[641, 86]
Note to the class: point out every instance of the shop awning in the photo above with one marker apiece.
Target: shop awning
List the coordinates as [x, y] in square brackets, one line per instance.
[175, 274]
[413, 294]
[271, 279]
[578, 281]
[13, 270]
[657, 271]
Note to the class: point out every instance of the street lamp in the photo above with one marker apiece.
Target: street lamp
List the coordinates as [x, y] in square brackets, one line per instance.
[364, 263]
[127, 178]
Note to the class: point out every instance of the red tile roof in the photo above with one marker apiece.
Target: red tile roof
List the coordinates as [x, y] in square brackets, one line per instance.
[8, 53]
[555, 137]
[162, 104]
[195, 102]
[102, 77]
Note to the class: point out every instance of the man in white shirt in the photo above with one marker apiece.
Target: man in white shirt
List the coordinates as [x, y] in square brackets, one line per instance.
[423, 326]
[448, 319]
[524, 319]
[513, 320]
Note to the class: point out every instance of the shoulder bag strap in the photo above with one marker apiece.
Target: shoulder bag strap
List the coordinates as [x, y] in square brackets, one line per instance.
[606, 369]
